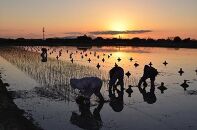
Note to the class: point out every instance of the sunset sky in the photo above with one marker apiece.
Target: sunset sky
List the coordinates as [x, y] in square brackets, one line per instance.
[108, 18]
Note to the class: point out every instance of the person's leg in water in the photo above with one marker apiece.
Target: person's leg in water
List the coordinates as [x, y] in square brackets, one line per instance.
[142, 80]
[112, 82]
[121, 83]
[98, 94]
[145, 84]
[152, 82]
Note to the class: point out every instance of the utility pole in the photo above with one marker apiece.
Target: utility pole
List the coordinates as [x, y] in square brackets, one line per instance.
[43, 31]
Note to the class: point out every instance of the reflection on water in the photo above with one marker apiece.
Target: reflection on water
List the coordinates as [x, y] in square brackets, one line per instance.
[47, 102]
[87, 119]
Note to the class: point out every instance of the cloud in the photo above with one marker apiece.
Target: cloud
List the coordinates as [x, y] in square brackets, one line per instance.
[120, 32]
[73, 33]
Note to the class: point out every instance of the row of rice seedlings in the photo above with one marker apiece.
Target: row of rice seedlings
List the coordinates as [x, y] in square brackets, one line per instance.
[54, 75]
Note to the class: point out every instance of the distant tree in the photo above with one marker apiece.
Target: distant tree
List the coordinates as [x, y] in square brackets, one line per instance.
[177, 39]
[186, 40]
[20, 38]
[161, 40]
[99, 38]
[84, 38]
[136, 39]
[150, 40]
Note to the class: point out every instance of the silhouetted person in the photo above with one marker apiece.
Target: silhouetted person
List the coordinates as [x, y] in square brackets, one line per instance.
[149, 72]
[162, 88]
[148, 97]
[44, 55]
[116, 102]
[86, 119]
[88, 86]
[116, 75]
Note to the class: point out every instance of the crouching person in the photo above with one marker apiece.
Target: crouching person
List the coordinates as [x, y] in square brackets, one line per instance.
[149, 72]
[116, 75]
[88, 86]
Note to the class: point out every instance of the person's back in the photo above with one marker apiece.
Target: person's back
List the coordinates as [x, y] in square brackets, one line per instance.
[150, 72]
[88, 86]
[116, 73]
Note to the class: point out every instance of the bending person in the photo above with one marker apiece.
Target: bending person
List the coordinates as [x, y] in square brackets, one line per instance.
[116, 75]
[149, 72]
[88, 86]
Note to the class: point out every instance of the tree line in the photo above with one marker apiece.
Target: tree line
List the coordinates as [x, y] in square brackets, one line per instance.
[85, 40]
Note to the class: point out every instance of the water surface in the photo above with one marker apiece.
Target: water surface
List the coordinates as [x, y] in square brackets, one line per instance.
[43, 89]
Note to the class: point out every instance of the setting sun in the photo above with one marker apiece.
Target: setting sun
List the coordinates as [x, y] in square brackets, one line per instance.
[119, 26]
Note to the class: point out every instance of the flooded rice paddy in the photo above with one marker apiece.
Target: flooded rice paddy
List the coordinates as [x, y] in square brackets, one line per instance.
[43, 90]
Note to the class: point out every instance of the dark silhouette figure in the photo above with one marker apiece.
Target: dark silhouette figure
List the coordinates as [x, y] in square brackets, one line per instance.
[44, 55]
[185, 85]
[88, 86]
[196, 71]
[181, 71]
[116, 102]
[116, 75]
[149, 72]
[129, 91]
[86, 119]
[162, 88]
